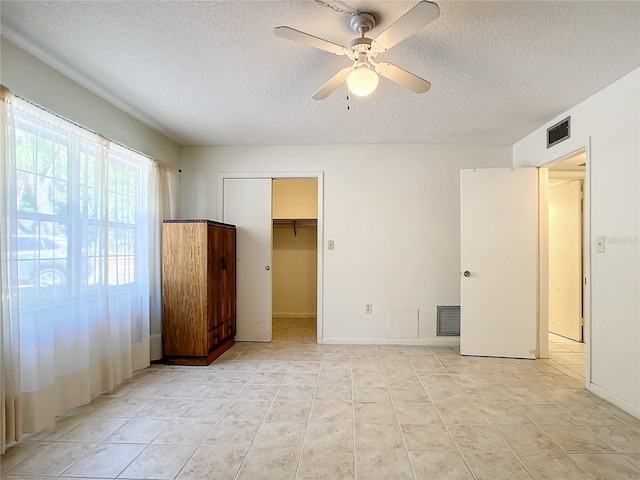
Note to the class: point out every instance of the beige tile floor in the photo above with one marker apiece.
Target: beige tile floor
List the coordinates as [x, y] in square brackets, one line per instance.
[294, 409]
[567, 356]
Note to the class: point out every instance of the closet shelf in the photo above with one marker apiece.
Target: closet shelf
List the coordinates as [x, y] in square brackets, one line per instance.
[295, 222]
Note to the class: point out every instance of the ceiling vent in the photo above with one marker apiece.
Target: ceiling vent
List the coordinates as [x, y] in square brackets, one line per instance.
[559, 132]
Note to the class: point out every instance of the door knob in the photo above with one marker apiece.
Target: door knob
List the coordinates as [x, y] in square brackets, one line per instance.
[267, 268]
[467, 273]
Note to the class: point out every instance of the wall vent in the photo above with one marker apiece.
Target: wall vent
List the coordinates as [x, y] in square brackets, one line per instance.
[559, 132]
[448, 321]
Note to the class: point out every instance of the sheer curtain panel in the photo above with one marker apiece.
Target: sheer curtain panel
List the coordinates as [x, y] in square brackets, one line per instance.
[78, 228]
[167, 208]
[10, 402]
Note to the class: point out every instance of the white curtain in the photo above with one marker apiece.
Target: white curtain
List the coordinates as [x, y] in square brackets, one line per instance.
[167, 208]
[10, 404]
[80, 236]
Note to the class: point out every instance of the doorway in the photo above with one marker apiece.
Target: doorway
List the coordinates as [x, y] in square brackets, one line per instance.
[295, 260]
[499, 219]
[566, 266]
[246, 200]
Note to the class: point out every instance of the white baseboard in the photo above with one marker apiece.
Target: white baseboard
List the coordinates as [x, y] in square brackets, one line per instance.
[293, 315]
[442, 342]
[155, 347]
[614, 400]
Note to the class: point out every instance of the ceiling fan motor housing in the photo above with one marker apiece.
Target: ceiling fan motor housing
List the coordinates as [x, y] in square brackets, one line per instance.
[362, 44]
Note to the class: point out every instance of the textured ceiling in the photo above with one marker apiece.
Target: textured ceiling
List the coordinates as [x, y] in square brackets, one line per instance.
[213, 72]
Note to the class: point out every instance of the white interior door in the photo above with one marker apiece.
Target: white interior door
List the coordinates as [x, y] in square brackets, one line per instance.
[247, 205]
[565, 259]
[498, 254]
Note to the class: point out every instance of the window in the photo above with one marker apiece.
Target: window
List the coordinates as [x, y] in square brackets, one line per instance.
[78, 211]
[81, 221]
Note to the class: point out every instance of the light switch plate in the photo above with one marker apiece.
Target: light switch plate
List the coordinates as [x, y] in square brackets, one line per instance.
[331, 245]
[600, 245]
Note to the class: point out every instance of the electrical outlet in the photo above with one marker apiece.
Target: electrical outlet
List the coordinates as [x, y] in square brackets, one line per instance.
[368, 308]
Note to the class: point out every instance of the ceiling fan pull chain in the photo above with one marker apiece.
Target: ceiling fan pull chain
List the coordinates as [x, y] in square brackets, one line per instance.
[334, 8]
[348, 103]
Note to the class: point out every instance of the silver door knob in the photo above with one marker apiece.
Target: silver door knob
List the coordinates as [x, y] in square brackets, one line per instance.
[467, 273]
[267, 268]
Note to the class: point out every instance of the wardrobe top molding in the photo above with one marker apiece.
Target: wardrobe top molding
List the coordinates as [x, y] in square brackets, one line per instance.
[209, 222]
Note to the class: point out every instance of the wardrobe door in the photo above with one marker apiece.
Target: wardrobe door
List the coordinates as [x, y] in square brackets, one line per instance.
[228, 280]
[215, 240]
[184, 289]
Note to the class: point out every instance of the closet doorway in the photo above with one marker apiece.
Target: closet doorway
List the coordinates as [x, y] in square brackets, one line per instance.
[246, 201]
[294, 260]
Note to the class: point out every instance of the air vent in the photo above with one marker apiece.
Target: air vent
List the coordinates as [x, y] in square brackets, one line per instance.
[559, 132]
[448, 321]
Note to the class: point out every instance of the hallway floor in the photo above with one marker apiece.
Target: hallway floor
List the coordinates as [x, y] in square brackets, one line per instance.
[568, 356]
[296, 410]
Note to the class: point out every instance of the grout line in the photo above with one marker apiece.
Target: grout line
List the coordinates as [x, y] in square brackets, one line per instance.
[353, 415]
[261, 423]
[455, 443]
[306, 430]
[404, 440]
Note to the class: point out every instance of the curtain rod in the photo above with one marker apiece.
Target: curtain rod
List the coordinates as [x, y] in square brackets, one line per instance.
[7, 90]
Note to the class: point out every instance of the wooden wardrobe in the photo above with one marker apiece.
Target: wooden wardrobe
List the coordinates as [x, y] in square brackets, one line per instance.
[198, 290]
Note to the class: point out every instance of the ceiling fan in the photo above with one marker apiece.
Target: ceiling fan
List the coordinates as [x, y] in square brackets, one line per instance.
[361, 78]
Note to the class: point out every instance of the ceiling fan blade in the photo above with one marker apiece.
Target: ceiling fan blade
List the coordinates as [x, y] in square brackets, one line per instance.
[408, 24]
[329, 87]
[403, 78]
[298, 36]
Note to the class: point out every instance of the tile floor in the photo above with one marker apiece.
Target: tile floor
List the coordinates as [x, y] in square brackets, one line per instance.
[568, 356]
[294, 409]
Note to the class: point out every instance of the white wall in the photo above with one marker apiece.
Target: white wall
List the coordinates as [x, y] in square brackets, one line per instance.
[294, 277]
[392, 210]
[34, 80]
[611, 119]
[295, 198]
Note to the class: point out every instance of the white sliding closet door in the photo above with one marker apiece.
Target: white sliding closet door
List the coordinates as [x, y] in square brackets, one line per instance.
[247, 205]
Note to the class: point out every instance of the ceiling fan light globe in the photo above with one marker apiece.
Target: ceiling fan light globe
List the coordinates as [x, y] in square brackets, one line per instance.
[362, 81]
